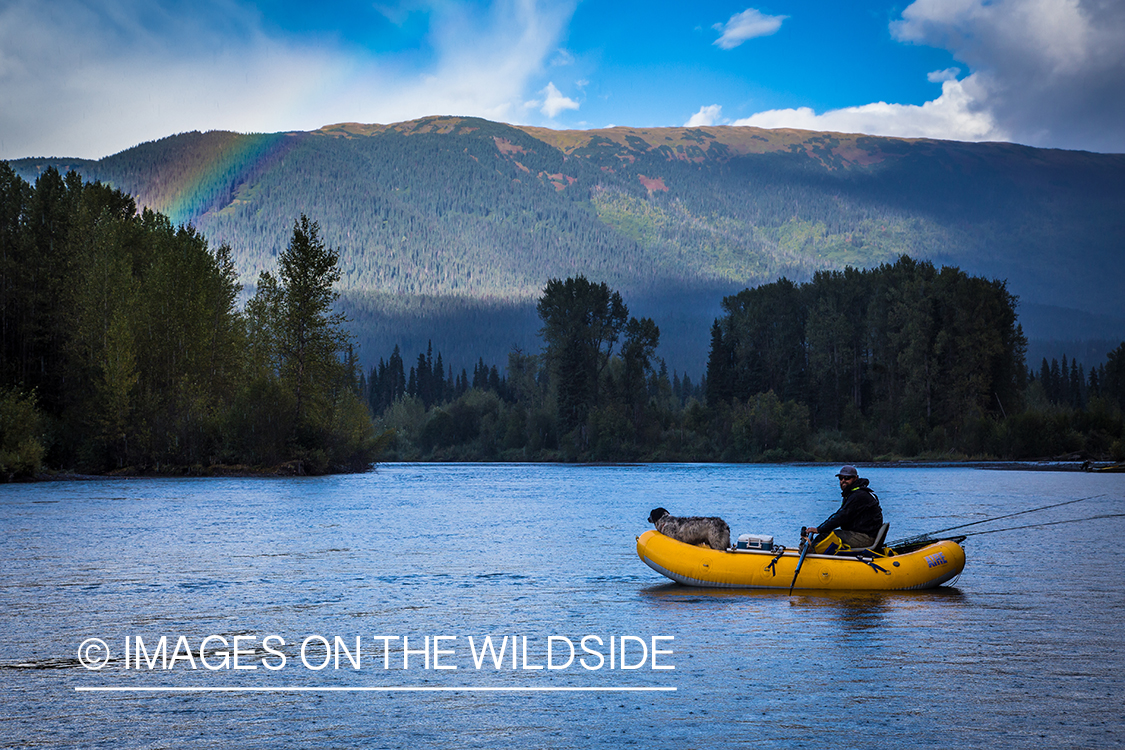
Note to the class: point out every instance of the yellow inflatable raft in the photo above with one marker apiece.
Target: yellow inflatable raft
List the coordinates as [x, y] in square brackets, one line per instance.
[925, 567]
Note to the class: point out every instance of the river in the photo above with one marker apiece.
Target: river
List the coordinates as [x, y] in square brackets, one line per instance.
[260, 589]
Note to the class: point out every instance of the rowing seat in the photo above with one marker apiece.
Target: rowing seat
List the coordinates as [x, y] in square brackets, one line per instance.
[880, 537]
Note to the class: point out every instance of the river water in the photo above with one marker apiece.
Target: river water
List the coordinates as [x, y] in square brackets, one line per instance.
[283, 575]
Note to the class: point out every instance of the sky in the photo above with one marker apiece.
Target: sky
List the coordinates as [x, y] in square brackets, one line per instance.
[89, 78]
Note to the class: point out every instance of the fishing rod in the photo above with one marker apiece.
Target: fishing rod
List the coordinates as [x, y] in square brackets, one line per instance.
[1046, 523]
[928, 535]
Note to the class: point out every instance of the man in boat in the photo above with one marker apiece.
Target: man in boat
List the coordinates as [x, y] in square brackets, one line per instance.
[855, 523]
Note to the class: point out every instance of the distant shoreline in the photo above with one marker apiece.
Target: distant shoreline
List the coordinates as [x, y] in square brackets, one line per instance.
[290, 469]
[222, 471]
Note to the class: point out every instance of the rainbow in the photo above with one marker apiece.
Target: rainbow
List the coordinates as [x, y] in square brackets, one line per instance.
[213, 170]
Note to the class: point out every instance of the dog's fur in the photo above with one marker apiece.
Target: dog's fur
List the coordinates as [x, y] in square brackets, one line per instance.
[712, 532]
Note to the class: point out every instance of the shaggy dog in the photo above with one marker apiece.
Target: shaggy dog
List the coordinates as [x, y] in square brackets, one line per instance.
[711, 532]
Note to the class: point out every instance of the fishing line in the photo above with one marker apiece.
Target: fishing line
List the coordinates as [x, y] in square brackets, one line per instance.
[1045, 523]
[923, 537]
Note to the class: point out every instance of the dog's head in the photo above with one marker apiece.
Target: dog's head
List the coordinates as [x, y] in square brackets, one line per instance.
[657, 514]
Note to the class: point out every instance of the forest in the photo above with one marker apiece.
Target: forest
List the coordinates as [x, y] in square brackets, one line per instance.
[902, 361]
[122, 348]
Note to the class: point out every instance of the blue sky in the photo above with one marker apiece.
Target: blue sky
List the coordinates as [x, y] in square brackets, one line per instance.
[86, 78]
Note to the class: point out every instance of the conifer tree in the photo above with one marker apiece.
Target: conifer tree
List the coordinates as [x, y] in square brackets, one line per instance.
[305, 343]
[310, 336]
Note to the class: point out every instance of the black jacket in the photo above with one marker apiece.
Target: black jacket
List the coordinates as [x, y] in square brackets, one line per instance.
[859, 512]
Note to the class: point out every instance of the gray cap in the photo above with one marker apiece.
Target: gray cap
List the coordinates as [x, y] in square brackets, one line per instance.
[848, 471]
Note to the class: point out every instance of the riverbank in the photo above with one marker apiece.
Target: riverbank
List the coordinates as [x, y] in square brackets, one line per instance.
[283, 470]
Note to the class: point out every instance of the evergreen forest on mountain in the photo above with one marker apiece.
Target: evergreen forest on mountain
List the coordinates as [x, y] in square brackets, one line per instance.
[448, 228]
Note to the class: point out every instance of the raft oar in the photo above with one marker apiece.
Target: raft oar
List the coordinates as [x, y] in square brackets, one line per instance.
[929, 535]
[805, 544]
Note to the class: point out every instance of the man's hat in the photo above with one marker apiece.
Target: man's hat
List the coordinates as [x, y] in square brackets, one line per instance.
[848, 471]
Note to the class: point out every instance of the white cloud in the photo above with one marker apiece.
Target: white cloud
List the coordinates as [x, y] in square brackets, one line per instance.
[554, 102]
[940, 76]
[1048, 72]
[748, 24]
[707, 115]
[88, 79]
[955, 115]
[1045, 33]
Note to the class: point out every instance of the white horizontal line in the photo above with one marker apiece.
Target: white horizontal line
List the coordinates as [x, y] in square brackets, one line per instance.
[391, 689]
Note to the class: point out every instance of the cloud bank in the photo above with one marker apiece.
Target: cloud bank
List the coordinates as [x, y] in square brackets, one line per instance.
[955, 115]
[1043, 72]
[1048, 72]
[86, 80]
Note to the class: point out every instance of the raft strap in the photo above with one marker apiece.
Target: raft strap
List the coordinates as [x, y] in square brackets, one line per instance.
[773, 563]
[871, 561]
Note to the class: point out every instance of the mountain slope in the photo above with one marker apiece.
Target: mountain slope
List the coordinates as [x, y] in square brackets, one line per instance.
[451, 219]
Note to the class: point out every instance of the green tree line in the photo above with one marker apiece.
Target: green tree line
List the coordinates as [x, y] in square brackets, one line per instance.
[123, 349]
[900, 361]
